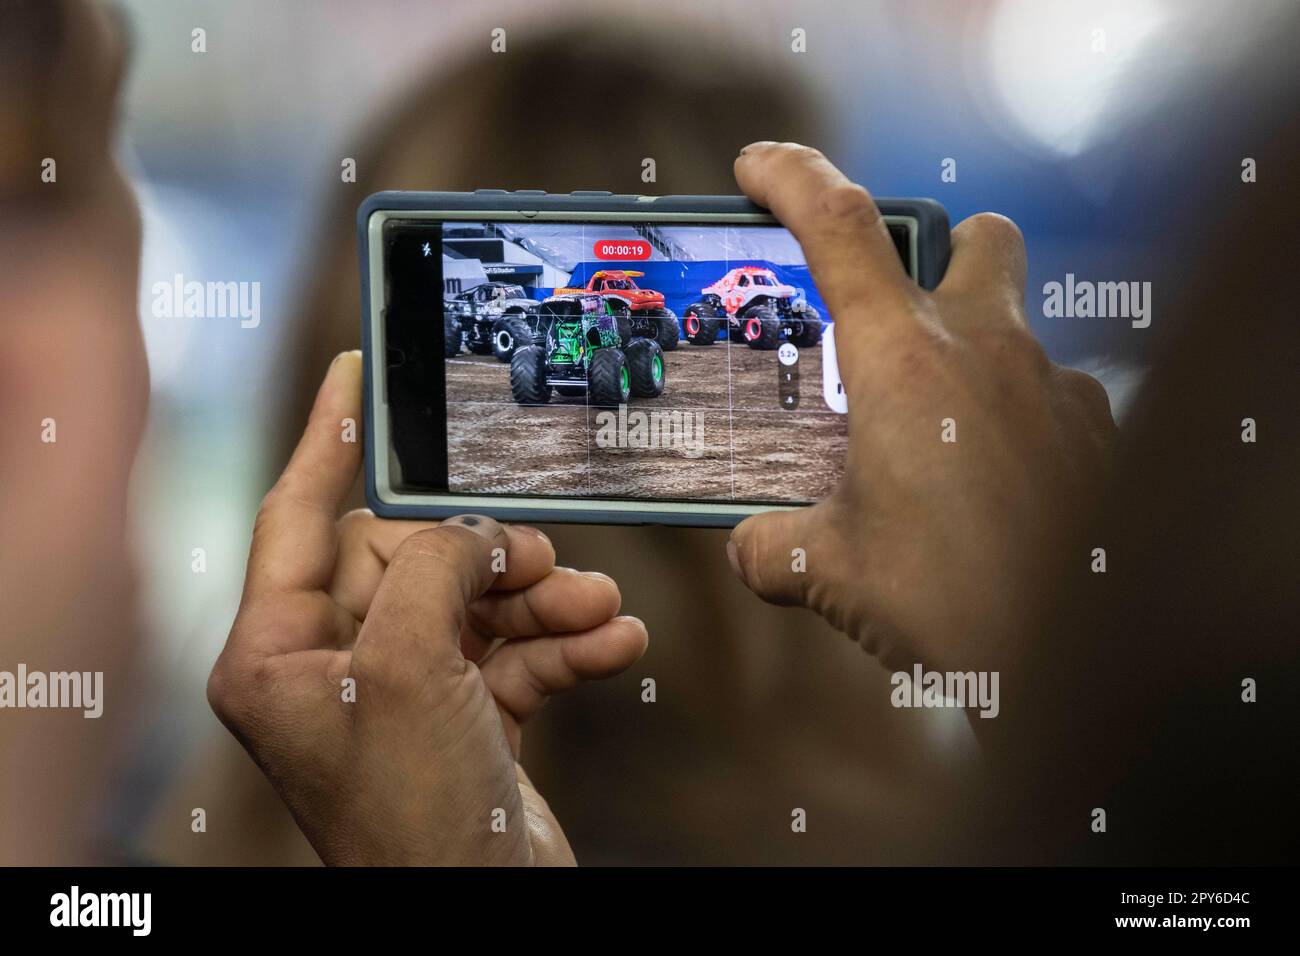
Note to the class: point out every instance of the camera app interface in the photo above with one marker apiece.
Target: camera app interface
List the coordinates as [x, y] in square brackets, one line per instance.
[654, 361]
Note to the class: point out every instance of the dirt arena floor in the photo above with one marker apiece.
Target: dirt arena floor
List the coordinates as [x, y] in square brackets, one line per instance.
[751, 448]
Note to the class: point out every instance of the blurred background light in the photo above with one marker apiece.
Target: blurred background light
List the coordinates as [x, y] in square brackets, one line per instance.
[1065, 71]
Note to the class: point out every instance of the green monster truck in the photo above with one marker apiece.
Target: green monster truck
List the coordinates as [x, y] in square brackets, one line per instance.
[588, 349]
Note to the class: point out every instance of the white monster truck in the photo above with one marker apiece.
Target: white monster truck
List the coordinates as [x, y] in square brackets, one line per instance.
[756, 307]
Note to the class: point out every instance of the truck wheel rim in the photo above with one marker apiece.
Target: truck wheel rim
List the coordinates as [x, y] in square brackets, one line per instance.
[657, 368]
[504, 340]
[692, 325]
[753, 329]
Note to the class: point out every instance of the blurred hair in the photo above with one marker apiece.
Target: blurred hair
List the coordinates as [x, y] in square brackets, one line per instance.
[573, 106]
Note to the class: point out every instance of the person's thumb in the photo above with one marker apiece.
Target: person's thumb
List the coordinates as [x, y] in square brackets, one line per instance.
[770, 552]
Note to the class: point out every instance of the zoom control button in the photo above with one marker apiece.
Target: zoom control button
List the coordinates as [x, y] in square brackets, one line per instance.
[787, 376]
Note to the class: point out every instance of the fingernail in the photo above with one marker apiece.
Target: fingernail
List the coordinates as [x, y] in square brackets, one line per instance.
[599, 577]
[760, 143]
[481, 525]
[531, 530]
[335, 361]
[733, 556]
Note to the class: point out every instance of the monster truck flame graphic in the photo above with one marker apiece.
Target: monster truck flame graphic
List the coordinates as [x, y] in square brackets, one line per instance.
[650, 317]
[619, 282]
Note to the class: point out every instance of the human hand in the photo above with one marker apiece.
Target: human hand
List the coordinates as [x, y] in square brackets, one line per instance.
[929, 551]
[449, 655]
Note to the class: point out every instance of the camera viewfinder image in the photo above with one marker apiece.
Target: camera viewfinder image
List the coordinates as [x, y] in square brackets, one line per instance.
[659, 361]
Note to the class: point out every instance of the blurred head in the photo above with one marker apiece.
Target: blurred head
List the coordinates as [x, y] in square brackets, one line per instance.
[74, 387]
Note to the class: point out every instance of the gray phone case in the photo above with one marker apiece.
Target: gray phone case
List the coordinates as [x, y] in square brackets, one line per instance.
[930, 248]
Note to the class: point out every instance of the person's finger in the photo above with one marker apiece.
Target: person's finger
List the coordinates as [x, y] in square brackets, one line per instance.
[564, 600]
[291, 560]
[988, 261]
[530, 558]
[411, 636]
[294, 537]
[850, 255]
[770, 554]
[367, 544]
[523, 674]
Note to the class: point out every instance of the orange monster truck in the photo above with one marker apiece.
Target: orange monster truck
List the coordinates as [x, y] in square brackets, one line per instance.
[650, 318]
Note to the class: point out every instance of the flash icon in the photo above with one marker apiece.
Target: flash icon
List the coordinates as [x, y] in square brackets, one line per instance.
[427, 250]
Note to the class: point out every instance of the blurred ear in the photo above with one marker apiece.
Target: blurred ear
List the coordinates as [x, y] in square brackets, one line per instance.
[61, 65]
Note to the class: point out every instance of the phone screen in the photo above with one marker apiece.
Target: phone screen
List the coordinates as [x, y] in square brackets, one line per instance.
[687, 362]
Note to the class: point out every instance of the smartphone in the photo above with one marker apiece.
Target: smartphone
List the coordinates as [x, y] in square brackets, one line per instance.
[602, 358]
